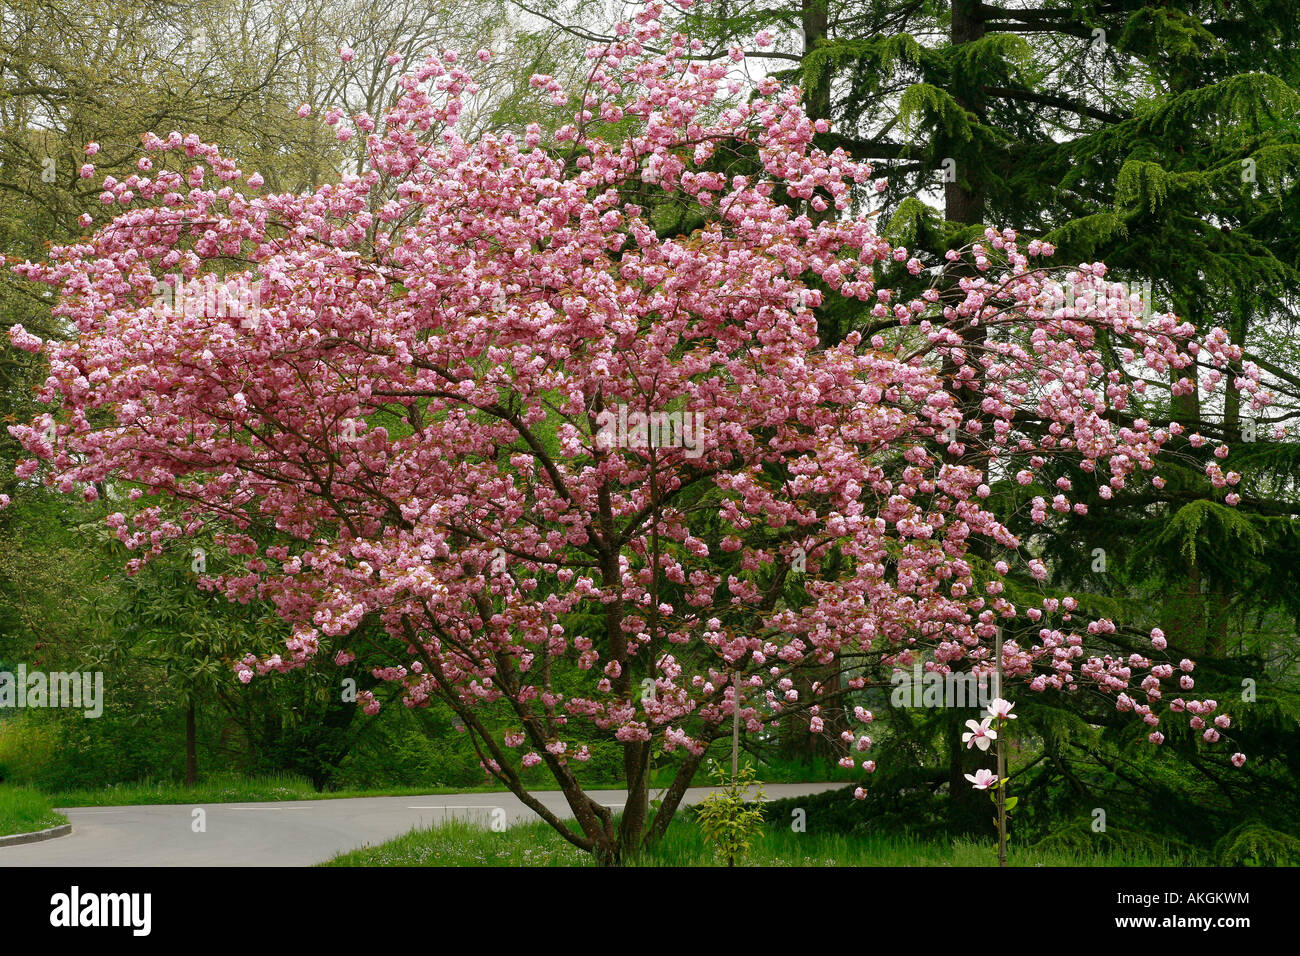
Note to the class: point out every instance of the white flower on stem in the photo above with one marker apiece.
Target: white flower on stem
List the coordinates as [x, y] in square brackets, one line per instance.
[982, 779]
[980, 734]
[1001, 709]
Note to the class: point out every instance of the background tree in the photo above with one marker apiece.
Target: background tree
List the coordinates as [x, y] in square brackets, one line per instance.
[1159, 137]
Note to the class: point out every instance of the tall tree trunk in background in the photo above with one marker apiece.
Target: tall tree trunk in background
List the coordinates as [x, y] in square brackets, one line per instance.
[817, 97]
[964, 200]
[1185, 610]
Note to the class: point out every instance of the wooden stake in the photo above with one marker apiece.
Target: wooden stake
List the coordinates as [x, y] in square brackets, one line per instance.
[1002, 760]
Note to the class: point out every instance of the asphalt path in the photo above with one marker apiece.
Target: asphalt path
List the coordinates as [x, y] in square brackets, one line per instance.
[288, 833]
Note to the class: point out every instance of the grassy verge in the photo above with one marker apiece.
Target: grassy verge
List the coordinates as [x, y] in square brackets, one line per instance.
[23, 810]
[459, 843]
[237, 788]
[230, 788]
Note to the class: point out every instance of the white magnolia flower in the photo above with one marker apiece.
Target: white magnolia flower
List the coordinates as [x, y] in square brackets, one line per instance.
[980, 734]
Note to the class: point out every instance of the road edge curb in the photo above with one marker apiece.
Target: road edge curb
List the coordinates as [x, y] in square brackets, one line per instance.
[38, 836]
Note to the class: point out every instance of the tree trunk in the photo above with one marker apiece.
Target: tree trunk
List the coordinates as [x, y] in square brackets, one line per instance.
[964, 204]
[636, 811]
[817, 94]
[1186, 611]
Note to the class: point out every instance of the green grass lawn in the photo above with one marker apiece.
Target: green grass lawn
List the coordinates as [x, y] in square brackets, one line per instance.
[23, 810]
[230, 788]
[458, 843]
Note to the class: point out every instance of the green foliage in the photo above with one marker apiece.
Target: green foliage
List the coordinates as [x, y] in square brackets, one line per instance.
[23, 810]
[215, 788]
[924, 103]
[1225, 529]
[29, 748]
[535, 844]
[1077, 837]
[1253, 844]
[404, 749]
[728, 817]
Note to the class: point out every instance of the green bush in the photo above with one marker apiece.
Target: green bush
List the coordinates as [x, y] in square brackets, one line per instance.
[1253, 844]
[729, 820]
[28, 748]
[1078, 836]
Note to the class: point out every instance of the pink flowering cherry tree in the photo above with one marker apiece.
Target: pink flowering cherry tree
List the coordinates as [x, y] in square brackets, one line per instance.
[480, 402]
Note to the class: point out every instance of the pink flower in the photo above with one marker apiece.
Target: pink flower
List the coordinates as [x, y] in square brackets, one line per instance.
[346, 53]
[92, 149]
[1238, 759]
[1000, 709]
[531, 759]
[982, 779]
[304, 111]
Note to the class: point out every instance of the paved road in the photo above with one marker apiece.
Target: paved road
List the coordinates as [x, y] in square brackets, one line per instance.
[291, 833]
